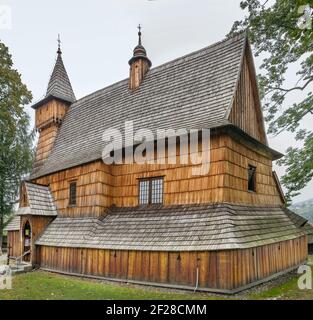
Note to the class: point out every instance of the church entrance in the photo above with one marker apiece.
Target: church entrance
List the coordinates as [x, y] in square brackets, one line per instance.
[26, 241]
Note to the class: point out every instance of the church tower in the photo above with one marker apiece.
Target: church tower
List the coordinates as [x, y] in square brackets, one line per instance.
[50, 111]
[139, 64]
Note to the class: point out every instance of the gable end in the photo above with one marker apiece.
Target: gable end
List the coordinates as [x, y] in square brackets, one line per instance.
[246, 111]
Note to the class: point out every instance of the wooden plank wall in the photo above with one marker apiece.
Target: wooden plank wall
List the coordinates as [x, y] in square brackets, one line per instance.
[227, 269]
[239, 158]
[246, 113]
[53, 111]
[38, 224]
[48, 119]
[14, 242]
[45, 144]
[94, 189]
[100, 185]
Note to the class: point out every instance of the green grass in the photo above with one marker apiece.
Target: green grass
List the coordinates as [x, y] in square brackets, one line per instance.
[40, 285]
[48, 286]
[286, 291]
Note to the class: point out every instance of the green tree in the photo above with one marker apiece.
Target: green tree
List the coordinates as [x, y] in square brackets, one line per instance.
[280, 31]
[15, 138]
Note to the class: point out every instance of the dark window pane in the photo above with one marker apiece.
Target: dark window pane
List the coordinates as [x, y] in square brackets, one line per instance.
[144, 192]
[73, 188]
[252, 178]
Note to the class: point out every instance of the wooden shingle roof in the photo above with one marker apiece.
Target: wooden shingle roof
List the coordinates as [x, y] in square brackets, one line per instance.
[175, 228]
[40, 201]
[59, 86]
[14, 224]
[192, 92]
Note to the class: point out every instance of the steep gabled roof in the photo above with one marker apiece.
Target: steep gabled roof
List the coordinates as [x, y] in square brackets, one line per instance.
[40, 201]
[192, 92]
[59, 84]
[175, 228]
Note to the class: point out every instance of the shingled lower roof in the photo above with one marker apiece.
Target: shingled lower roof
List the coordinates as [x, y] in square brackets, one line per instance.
[40, 201]
[14, 224]
[175, 228]
[192, 92]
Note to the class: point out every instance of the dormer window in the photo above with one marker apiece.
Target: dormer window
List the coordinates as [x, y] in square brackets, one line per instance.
[252, 178]
[151, 191]
[72, 193]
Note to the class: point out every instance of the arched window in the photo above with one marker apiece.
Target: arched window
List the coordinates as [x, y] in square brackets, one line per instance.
[27, 240]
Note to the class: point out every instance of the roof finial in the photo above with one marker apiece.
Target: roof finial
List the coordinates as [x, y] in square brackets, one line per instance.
[139, 34]
[59, 44]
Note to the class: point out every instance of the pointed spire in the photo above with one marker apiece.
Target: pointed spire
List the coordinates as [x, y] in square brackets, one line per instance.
[139, 51]
[59, 85]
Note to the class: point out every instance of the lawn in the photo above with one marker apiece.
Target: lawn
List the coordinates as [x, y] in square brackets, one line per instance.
[41, 285]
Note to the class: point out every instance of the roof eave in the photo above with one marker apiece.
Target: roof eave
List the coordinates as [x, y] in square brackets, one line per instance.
[50, 97]
[276, 155]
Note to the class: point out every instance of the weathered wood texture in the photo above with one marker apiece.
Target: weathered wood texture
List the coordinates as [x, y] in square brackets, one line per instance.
[38, 224]
[229, 269]
[48, 120]
[137, 71]
[14, 243]
[23, 201]
[51, 112]
[246, 111]
[100, 185]
[45, 144]
[94, 189]
[238, 159]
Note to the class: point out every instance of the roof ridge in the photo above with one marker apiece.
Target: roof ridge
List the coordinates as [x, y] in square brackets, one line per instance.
[154, 69]
[215, 44]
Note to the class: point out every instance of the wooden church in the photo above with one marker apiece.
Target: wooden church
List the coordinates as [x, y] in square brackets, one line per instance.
[159, 224]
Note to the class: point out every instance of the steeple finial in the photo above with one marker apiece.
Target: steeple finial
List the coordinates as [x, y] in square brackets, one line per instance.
[139, 34]
[59, 44]
[139, 64]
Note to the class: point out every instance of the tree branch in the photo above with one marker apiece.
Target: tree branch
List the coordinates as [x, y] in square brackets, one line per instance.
[294, 88]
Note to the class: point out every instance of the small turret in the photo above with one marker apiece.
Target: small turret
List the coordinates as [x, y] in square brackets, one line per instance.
[139, 64]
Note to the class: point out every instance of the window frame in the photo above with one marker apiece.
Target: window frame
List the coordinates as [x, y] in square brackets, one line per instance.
[254, 169]
[150, 194]
[70, 203]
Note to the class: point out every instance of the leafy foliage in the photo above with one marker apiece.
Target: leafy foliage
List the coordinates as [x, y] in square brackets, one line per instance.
[15, 139]
[274, 31]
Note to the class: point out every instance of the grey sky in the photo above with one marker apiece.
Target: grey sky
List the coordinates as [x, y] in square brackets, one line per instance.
[98, 38]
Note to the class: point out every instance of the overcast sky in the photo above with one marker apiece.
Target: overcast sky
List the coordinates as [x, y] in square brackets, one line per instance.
[98, 38]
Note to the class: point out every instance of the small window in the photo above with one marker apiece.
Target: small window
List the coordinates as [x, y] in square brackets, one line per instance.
[144, 192]
[73, 188]
[151, 191]
[252, 178]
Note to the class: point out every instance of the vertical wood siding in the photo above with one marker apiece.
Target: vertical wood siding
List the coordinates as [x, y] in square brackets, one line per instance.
[14, 243]
[38, 224]
[228, 269]
[246, 113]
